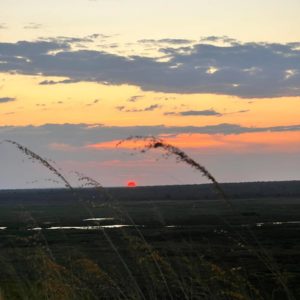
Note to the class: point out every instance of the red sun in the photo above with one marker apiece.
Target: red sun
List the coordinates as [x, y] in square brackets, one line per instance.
[131, 184]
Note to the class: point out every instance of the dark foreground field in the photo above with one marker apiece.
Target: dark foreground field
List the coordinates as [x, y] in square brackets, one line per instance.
[177, 242]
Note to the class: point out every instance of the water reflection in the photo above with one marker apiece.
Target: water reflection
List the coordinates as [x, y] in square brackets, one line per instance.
[88, 227]
[276, 223]
[99, 219]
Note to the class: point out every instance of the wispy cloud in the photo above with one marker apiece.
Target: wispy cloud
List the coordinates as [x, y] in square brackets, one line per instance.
[166, 41]
[93, 102]
[220, 39]
[145, 109]
[134, 98]
[208, 112]
[204, 113]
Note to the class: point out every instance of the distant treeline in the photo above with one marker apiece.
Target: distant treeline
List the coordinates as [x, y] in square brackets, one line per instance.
[152, 193]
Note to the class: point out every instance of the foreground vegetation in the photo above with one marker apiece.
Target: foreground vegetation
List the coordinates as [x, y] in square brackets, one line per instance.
[89, 245]
[178, 249]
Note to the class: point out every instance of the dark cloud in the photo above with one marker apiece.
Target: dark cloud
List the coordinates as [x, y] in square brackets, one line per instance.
[71, 40]
[83, 134]
[52, 82]
[148, 108]
[208, 112]
[223, 39]
[99, 35]
[151, 107]
[246, 70]
[18, 56]
[7, 99]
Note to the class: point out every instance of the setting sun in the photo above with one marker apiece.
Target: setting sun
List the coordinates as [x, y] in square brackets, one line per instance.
[131, 184]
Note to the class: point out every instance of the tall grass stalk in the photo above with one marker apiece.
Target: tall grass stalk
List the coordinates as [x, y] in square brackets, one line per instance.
[152, 142]
[34, 156]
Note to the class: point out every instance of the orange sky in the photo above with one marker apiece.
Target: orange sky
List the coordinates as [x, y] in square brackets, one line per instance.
[36, 105]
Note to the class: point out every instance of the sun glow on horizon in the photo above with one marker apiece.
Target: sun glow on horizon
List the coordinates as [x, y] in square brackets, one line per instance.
[131, 184]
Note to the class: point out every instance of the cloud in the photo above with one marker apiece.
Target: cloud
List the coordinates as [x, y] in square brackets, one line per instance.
[148, 108]
[52, 82]
[79, 135]
[3, 26]
[229, 156]
[7, 99]
[134, 98]
[166, 41]
[208, 112]
[73, 40]
[18, 56]
[220, 39]
[120, 107]
[246, 70]
[93, 102]
[243, 111]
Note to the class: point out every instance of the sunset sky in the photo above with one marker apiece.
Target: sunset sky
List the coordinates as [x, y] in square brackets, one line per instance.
[219, 79]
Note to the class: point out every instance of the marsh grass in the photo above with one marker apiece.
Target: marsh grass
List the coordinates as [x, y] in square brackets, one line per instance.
[147, 271]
